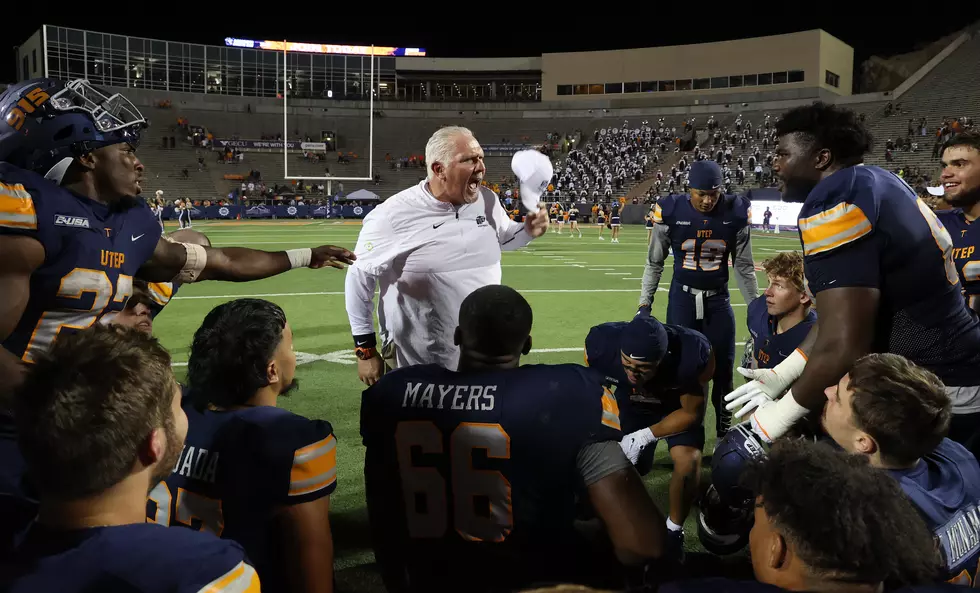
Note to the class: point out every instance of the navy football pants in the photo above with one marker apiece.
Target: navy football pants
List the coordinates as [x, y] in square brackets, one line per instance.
[718, 326]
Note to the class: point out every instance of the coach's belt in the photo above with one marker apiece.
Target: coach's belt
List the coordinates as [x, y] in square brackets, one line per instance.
[699, 296]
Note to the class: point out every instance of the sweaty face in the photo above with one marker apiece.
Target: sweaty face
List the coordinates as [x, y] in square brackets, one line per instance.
[285, 359]
[118, 172]
[961, 176]
[793, 165]
[705, 200]
[462, 176]
[782, 297]
[838, 419]
[638, 372]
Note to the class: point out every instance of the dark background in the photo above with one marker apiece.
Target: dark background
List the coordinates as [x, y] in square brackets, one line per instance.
[468, 30]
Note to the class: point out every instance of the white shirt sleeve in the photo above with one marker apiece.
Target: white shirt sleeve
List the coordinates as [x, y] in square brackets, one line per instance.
[377, 246]
[510, 233]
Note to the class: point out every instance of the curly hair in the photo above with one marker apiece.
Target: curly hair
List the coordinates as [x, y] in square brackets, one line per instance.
[904, 407]
[231, 351]
[788, 265]
[846, 520]
[829, 127]
[87, 406]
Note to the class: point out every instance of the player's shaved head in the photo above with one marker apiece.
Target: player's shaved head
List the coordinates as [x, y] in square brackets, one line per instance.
[494, 326]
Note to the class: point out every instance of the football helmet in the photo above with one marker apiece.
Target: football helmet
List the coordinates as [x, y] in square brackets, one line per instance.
[45, 123]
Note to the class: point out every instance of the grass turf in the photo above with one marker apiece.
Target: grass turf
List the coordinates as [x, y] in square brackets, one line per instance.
[571, 284]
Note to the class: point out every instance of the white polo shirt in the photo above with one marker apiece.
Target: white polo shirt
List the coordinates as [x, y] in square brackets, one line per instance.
[427, 256]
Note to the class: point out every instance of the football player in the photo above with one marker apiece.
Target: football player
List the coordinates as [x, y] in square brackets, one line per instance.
[780, 319]
[100, 424]
[661, 373]
[961, 184]
[139, 310]
[250, 471]
[897, 415]
[472, 475]
[824, 520]
[72, 233]
[704, 231]
[880, 265]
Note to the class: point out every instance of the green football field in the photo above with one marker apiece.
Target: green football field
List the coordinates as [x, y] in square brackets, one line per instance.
[571, 283]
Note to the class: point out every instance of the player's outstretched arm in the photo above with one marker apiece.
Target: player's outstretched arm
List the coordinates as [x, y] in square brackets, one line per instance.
[307, 546]
[744, 264]
[636, 527]
[654, 268]
[235, 264]
[20, 256]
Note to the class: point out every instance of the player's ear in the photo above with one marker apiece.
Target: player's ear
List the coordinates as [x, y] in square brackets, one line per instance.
[154, 447]
[272, 374]
[527, 346]
[865, 444]
[86, 161]
[457, 337]
[778, 551]
[823, 159]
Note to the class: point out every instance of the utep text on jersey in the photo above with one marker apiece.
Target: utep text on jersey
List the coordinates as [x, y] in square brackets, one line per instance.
[688, 354]
[768, 347]
[702, 243]
[865, 227]
[474, 475]
[238, 469]
[137, 557]
[966, 255]
[91, 256]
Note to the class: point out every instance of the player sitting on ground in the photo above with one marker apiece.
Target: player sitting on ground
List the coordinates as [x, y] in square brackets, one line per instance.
[961, 185]
[250, 471]
[100, 423]
[826, 522]
[880, 266]
[661, 373]
[780, 319]
[897, 415]
[72, 233]
[472, 475]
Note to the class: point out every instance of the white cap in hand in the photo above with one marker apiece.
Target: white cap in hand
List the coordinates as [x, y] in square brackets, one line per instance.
[534, 171]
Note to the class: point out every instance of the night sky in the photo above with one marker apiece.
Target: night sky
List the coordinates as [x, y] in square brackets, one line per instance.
[455, 30]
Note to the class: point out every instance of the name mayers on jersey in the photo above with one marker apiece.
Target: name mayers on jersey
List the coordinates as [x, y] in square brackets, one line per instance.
[460, 397]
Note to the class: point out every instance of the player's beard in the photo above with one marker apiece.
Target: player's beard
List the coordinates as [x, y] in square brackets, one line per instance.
[964, 200]
[125, 203]
[293, 386]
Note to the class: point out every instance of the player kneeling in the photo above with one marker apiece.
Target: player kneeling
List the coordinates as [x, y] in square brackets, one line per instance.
[472, 475]
[661, 373]
[99, 423]
[897, 415]
[252, 472]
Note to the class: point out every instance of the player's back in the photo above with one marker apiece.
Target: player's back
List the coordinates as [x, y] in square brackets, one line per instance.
[472, 477]
[945, 488]
[91, 254]
[966, 241]
[863, 226]
[125, 559]
[238, 469]
[702, 242]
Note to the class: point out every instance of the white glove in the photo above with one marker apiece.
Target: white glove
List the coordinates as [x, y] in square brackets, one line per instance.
[773, 419]
[766, 384]
[634, 443]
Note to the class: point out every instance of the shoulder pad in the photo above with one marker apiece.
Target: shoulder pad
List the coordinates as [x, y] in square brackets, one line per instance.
[843, 208]
[22, 198]
[664, 209]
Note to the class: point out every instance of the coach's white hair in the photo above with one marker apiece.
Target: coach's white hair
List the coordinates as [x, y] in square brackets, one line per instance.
[441, 147]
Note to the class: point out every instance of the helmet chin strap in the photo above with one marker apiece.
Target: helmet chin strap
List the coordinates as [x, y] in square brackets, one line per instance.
[57, 172]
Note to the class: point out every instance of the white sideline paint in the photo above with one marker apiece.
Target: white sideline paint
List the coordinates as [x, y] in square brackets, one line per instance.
[347, 356]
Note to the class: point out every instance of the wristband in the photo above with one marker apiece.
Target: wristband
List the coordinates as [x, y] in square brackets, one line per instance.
[299, 258]
[365, 341]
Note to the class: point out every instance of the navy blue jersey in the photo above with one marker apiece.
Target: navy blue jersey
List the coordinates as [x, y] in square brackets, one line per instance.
[945, 487]
[702, 244]
[237, 469]
[966, 256]
[160, 295]
[770, 348]
[865, 227]
[679, 373]
[723, 585]
[126, 558]
[474, 474]
[91, 256]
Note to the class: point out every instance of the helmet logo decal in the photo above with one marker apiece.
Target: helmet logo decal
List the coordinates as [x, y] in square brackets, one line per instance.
[27, 104]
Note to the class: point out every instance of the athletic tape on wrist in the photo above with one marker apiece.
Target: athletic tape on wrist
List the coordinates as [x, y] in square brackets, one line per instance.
[299, 258]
